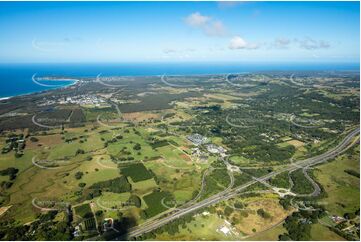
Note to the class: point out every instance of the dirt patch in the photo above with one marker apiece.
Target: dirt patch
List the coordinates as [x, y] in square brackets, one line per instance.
[48, 140]
[185, 157]
[255, 221]
[4, 209]
[140, 116]
[295, 143]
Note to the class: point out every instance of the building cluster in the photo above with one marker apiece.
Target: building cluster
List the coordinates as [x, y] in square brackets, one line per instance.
[197, 139]
[82, 100]
[79, 99]
[227, 229]
[202, 144]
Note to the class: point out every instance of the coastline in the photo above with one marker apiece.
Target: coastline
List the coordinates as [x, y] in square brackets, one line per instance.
[200, 73]
[75, 81]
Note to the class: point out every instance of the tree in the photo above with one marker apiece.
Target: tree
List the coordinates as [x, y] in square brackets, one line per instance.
[82, 184]
[80, 151]
[137, 146]
[79, 175]
[135, 200]
[34, 139]
[263, 213]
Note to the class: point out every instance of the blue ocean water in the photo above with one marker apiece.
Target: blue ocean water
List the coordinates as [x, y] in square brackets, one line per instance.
[16, 79]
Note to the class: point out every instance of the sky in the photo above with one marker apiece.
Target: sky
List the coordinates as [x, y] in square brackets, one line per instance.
[179, 32]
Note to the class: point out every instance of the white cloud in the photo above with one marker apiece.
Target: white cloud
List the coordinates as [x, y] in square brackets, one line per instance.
[197, 20]
[169, 50]
[304, 43]
[312, 44]
[206, 24]
[216, 28]
[281, 43]
[238, 43]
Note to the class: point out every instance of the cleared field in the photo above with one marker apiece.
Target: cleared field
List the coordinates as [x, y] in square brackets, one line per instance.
[112, 201]
[251, 222]
[140, 116]
[93, 173]
[343, 189]
[268, 235]
[143, 187]
[201, 228]
[182, 182]
[125, 147]
[320, 232]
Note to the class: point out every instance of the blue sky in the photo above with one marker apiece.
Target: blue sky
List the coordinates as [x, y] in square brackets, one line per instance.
[179, 32]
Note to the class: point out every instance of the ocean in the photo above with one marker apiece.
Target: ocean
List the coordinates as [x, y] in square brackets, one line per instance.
[16, 79]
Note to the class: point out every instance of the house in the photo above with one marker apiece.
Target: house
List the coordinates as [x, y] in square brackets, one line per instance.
[107, 224]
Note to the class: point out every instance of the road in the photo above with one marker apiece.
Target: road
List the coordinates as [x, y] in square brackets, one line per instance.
[225, 195]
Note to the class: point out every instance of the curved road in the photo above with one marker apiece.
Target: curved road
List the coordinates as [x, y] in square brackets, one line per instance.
[154, 224]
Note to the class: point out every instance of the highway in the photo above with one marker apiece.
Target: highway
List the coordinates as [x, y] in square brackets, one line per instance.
[227, 194]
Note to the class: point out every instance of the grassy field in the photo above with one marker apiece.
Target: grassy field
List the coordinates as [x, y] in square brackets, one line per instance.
[246, 222]
[320, 232]
[143, 187]
[181, 182]
[201, 228]
[154, 203]
[137, 172]
[251, 222]
[268, 235]
[343, 189]
[83, 211]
